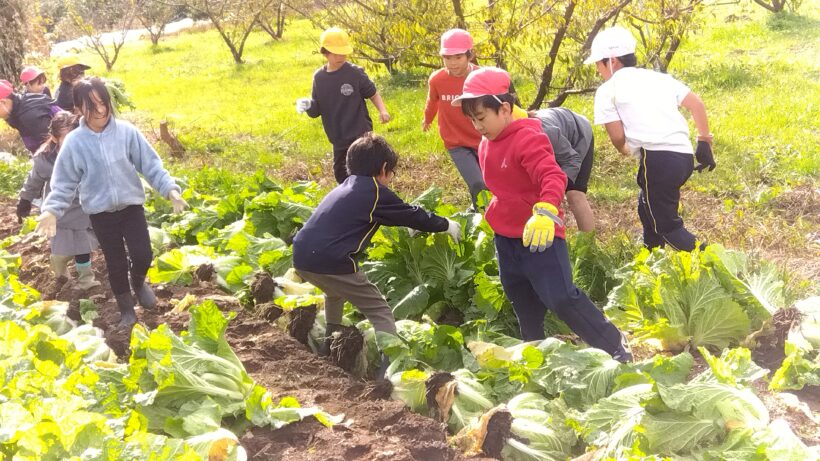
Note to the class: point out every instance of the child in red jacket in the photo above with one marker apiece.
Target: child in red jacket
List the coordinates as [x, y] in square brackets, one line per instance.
[460, 138]
[527, 184]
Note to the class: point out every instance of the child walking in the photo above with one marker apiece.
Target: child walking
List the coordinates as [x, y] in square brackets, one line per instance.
[100, 161]
[444, 85]
[572, 143]
[28, 113]
[74, 238]
[34, 79]
[519, 168]
[339, 92]
[639, 109]
[327, 249]
[72, 70]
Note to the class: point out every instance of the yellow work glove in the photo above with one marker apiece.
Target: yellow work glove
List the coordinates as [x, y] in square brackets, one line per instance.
[540, 229]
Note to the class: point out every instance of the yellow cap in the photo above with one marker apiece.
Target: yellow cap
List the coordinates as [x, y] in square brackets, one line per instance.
[519, 113]
[336, 41]
[70, 60]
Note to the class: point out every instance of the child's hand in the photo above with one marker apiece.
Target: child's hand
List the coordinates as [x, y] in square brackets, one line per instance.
[384, 117]
[540, 229]
[703, 154]
[454, 230]
[177, 202]
[46, 225]
[303, 105]
[23, 210]
[425, 126]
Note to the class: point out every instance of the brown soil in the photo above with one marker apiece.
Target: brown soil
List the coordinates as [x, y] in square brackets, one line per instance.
[498, 431]
[301, 322]
[345, 348]
[262, 288]
[205, 273]
[374, 429]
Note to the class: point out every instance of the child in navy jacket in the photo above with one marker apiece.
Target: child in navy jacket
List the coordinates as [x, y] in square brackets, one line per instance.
[326, 250]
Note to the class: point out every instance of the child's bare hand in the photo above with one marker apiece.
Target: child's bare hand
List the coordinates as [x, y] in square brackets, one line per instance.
[425, 126]
[384, 117]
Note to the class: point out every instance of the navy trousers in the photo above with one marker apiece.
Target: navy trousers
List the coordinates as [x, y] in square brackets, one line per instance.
[535, 282]
[660, 177]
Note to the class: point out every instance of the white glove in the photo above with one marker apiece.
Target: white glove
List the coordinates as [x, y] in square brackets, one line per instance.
[46, 224]
[177, 202]
[303, 104]
[454, 230]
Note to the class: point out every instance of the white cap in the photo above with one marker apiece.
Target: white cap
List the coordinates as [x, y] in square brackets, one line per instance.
[611, 43]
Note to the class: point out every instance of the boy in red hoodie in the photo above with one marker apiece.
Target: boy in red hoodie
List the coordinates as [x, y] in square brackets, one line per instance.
[527, 184]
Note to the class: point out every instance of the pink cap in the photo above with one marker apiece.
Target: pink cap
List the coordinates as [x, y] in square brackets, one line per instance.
[455, 41]
[6, 89]
[486, 81]
[29, 73]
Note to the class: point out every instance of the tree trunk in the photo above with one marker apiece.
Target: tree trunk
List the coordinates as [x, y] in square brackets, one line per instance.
[12, 40]
[280, 20]
[458, 9]
[775, 6]
[546, 75]
[670, 53]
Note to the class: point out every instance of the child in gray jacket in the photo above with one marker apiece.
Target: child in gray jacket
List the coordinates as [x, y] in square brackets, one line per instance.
[101, 160]
[74, 239]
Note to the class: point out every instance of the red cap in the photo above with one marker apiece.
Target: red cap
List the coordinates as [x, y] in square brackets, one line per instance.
[455, 41]
[486, 81]
[29, 73]
[6, 89]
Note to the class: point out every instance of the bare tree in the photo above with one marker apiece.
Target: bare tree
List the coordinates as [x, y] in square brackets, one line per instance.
[154, 15]
[233, 19]
[104, 25]
[776, 6]
[272, 19]
[662, 26]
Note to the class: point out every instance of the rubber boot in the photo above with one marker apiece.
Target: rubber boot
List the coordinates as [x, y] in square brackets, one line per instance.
[85, 276]
[145, 295]
[59, 265]
[331, 328]
[128, 317]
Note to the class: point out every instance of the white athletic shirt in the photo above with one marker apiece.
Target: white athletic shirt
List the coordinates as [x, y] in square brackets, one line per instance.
[646, 102]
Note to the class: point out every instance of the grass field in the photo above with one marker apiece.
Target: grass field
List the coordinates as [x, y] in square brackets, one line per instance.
[758, 74]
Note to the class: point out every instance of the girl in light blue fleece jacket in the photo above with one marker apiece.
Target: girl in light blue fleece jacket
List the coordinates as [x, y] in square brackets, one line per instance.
[101, 160]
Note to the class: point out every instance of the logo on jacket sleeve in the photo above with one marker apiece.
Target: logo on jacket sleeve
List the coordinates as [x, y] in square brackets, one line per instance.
[347, 89]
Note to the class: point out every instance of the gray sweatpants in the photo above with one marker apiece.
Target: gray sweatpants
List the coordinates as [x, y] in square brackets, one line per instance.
[466, 163]
[357, 289]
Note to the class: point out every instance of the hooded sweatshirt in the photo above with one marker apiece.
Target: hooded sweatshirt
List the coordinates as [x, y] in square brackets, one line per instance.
[520, 170]
[104, 167]
[30, 115]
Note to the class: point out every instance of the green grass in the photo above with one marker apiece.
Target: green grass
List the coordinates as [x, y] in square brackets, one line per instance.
[757, 75]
